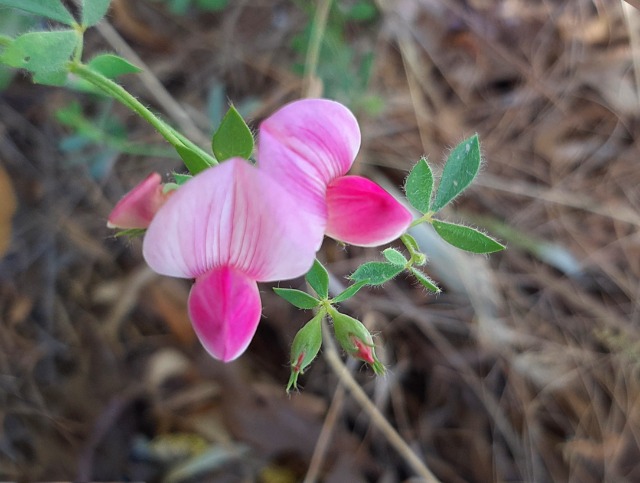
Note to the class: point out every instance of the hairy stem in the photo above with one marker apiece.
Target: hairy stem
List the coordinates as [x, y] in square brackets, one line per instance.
[377, 419]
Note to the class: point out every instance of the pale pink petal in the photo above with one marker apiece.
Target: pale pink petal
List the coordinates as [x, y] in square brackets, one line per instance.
[362, 213]
[137, 208]
[307, 144]
[232, 215]
[224, 306]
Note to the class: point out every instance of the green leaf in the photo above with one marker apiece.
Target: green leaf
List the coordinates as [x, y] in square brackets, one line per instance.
[419, 186]
[395, 257]
[459, 171]
[233, 137]
[425, 280]
[466, 238]
[45, 54]
[349, 292]
[112, 66]
[52, 9]
[298, 298]
[318, 278]
[93, 11]
[192, 160]
[305, 347]
[212, 5]
[376, 273]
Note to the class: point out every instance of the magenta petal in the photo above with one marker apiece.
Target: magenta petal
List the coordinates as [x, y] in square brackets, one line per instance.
[362, 213]
[137, 208]
[224, 306]
[232, 215]
[307, 144]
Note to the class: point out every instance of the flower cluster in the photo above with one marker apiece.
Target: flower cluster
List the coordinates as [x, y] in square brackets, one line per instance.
[236, 224]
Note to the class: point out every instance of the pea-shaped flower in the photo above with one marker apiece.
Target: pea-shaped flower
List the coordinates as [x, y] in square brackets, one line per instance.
[228, 228]
[309, 146]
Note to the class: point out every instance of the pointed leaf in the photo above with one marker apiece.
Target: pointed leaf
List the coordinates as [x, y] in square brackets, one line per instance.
[425, 280]
[318, 278]
[419, 186]
[298, 298]
[52, 9]
[233, 137]
[93, 11]
[349, 292]
[466, 238]
[45, 54]
[181, 178]
[459, 171]
[394, 256]
[112, 66]
[376, 273]
[192, 160]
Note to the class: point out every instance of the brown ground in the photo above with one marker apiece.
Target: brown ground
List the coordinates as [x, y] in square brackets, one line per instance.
[526, 368]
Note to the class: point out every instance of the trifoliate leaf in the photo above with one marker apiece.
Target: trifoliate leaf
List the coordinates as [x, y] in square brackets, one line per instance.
[52, 9]
[318, 278]
[394, 256]
[376, 273]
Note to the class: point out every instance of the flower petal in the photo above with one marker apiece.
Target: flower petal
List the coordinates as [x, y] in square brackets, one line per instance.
[224, 306]
[306, 144]
[232, 215]
[362, 213]
[137, 208]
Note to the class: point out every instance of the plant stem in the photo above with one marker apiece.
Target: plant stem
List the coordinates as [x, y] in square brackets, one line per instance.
[377, 419]
[116, 91]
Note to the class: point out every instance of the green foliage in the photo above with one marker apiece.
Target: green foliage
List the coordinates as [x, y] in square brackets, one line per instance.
[93, 11]
[424, 280]
[194, 162]
[395, 257]
[419, 185]
[181, 7]
[318, 278]
[349, 292]
[52, 9]
[376, 273]
[181, 178]
[112, 66]
[44, 54]
[298, 298]
[461, 168]
[466, 238]
[305, 348]
[233, 137]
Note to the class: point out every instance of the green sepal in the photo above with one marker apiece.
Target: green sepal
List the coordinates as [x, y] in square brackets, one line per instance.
[93, 11]
[466, 238]
[233, 138]
[298, 298]
[305, 347]
[376, 273]
[131, 232]
[425, 281]
[44, 54]
[181, 178]
[349, 292]
[419, 186]
[461, 168]
[318, 278]
[52, 9]
[192, 160]
[355, 339]
[395, 257]
[112, 66]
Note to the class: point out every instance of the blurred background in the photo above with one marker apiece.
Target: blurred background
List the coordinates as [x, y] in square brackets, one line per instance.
[525, 368]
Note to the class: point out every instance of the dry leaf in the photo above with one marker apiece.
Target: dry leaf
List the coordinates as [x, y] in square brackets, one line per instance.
[7, 209]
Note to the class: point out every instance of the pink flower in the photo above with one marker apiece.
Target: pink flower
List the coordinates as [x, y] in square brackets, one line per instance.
[137, 208]
[309, 146]
[230, 227]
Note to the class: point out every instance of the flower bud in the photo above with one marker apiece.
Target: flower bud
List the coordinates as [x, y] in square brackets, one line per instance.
[305, 348]
[138, 207]
[356, 340]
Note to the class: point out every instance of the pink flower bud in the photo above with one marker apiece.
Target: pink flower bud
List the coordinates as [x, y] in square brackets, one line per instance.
[138, 207]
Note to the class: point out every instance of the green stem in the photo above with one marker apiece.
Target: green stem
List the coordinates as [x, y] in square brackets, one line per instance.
[428, 217]
[116, 91]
